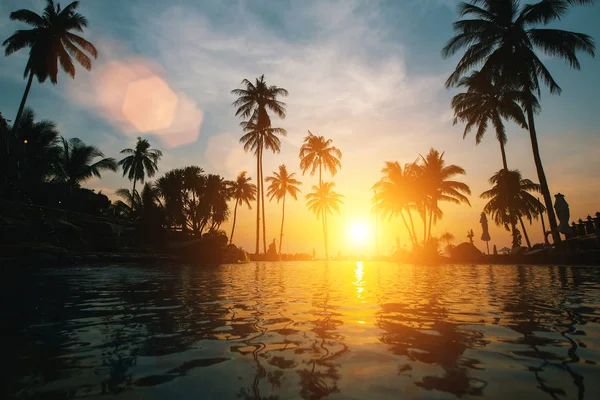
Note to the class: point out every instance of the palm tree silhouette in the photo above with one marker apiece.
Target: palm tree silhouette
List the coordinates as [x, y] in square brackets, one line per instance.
[171, 188]
[242, 191]
[141, 162]
[434, 179]
[75, 162]
[282, 183]
[485, 102]
[510, 200]
[317, 153]
[324, 200]
[504, 35]
[213, 204]
[51, 41]
[395, 193]
[41, 150]
[253, 103]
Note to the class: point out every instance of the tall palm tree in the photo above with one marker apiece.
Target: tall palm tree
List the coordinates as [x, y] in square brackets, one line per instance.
[395, 193]
[141, 162]
[51, 41]
[253, 103]
[324, 200]
[282, 183]
[487, 101]
[510, 200]
[317, 153]
[242, 191]
[504, 37]
[436, 184]
[75, 162]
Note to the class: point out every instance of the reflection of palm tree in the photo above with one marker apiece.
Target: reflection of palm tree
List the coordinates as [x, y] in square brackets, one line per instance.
[281, 184]
[510, 200]
[503, 36]
[324, 200]
[436, 184]
[75, 162]
[51, 41]
[141, 162]
[242, 191]
[486, 101]
[253, 102]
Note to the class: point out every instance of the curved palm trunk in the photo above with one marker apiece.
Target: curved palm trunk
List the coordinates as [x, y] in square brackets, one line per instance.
[407, 228]
[23, 100]
[412, 225]
[282, 219]
[542, 177]
[503, 152]
[234, 218]
[525, 232]
[257, 202]
[133, 198]
[430, 219]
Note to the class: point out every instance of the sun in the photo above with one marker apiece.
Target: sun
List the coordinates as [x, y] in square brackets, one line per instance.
[359, 233]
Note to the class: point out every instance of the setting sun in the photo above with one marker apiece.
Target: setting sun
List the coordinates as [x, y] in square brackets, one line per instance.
[359, 233]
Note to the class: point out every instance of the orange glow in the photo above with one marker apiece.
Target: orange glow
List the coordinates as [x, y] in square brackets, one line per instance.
[359, 233]
[149, 104]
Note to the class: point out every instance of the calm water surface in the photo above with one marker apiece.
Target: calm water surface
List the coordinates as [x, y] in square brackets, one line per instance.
[341, 330]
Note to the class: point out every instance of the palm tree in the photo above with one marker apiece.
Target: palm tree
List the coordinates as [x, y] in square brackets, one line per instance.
[395, 193]
[171, 187]
[51, 41]
[434, 179]
[504, 36]
[484, 102]
[141, 162]
[282, 183]
[75, 162]
[242, 191]
[253, 103]
[40, 143]
[213, 204]
[317, 153]
[324, 200]
[510, 199]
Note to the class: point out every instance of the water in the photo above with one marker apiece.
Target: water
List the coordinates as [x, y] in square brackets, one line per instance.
[301, 330]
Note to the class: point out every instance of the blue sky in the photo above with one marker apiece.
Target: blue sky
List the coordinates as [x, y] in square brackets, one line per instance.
[368, 74]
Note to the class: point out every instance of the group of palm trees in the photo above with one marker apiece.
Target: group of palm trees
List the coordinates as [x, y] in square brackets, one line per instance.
[254, 102]
[419, 186]
[500, 72]
[501, 38]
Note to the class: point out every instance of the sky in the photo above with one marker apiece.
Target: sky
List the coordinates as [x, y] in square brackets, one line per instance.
[367, 74]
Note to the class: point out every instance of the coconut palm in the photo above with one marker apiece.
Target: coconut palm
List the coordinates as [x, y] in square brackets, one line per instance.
[141, 162]
[75, 162]
[242, 191]
[324, 200]
[395, 193]
[253, 103]
[51, 41]
[317, 153]
[282, 183]
[171, 188]
[510, 200]
[213, 204]
[504, 36]
[487, 101]
[40, 147]
[434, 181]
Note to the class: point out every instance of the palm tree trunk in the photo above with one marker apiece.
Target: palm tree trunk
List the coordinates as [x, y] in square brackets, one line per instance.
[503, 152]
[542, 177]
[412, 225]
[325, 233]
[262, 193]
[23, 100]
[257, 202]
[525, 232]
[513, 230]
[133, 198]
[234, 218]
[282, 219]
[407, 228]
[430, 219]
